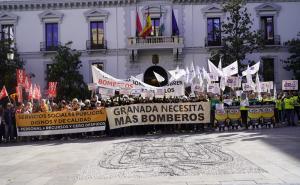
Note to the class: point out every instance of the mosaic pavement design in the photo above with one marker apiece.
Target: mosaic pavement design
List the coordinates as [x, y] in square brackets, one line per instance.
[167, 157]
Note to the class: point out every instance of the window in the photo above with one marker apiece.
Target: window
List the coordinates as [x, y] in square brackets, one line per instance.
[97, 35]
[268, 29]
[268, 69]
[155, 27]
[51, 36]
[7, 34]
[99, 65]
[213, 32]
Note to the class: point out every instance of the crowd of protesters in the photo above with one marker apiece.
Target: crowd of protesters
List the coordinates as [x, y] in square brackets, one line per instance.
[287, 108]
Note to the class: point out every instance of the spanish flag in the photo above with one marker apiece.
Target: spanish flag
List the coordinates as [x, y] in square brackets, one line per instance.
[148, 28]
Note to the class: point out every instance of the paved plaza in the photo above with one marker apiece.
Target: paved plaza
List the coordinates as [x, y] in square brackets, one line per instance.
[266, 156]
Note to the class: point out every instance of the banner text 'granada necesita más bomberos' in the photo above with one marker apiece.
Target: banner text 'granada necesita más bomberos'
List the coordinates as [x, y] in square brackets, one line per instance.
[158, 113]
[49, 123]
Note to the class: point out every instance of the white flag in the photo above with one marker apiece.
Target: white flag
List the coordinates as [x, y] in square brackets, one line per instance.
[275, 92]
[177, 74]
[232, 69]
[187, 75]
[220, 64]
[206, 76]
[249, 78]
[222, 83]
[159, 77]
[253, 69]
[213, 69]
[192, 72]
[258, 87]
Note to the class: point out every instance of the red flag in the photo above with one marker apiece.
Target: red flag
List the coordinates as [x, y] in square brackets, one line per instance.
[35, 92]
[3, 93]
[21, 77]
[30, 93]
[27, 83]
[39, 94]
[52, 89]
[19, 93]
[139, 27]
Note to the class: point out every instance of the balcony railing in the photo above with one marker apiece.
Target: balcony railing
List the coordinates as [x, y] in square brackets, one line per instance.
[49, 46]
[155, 42]
[215, 43]
[90, 45]
[273, 42]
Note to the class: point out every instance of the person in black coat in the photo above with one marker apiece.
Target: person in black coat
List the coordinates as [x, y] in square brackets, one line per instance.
[10, 122]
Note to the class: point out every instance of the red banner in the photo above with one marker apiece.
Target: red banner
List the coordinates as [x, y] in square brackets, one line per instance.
[21, 77]
[19, 93]
[27, 83]
[52, 90]
[3, 93]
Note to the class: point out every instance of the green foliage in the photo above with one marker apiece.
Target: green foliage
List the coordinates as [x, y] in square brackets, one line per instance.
[65, 71]
[8, 66]
[293, 62]
[238, 37]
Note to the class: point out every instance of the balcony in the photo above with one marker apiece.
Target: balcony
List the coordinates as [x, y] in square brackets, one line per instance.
[273, 42]
[90, 45]
[49, 46]
[157, 42]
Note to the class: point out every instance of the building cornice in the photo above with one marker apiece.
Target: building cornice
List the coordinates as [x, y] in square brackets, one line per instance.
[30, 5]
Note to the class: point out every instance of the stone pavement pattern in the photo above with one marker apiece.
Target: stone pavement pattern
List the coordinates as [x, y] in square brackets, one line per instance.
[268, 156]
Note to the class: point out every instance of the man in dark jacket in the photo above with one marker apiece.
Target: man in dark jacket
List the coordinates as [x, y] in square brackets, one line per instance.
[10, 122]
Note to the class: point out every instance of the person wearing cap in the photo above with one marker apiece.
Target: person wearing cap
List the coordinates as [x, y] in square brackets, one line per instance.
[87, 105]
[75, 105]
[10, 122]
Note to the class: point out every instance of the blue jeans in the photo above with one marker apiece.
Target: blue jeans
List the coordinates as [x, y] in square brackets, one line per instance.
[9, 131]
[289, 114]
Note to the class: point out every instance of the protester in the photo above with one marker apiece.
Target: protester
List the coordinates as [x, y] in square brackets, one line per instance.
[9, 121]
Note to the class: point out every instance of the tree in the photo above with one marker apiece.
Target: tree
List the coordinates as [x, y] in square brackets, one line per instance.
[9, 62]
[293, 62]
[238, 37]
[65, 71]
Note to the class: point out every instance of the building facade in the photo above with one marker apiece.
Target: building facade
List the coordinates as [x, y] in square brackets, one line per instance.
[105, 32]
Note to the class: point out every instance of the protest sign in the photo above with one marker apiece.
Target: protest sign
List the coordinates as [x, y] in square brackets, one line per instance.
[158, 113]
[50, 123]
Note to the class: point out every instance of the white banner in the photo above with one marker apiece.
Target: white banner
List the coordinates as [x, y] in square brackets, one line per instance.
[197, 88]
[289, 85]
[105, 92]
[232, 81]
[266, 86]
[213, 77]
[247, 87]
[213, 88]
[158, 113]
[105, 80]
[173, 89]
